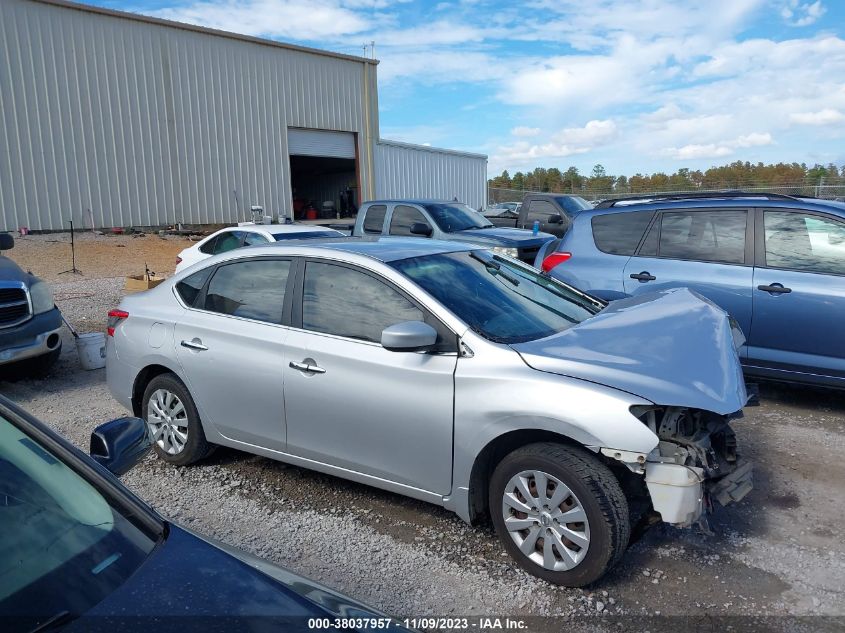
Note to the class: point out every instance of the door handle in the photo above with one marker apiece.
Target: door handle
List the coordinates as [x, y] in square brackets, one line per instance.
[195, 344]
[643, 276]
[311, 369]
[775, 288]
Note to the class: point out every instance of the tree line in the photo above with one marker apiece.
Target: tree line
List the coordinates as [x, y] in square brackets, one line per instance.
[737, 175]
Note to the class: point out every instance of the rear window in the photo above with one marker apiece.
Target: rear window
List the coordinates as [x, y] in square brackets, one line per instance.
[620, 233]
[374, 219]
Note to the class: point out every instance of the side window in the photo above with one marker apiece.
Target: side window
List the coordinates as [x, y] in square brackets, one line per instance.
[346, 302]
[798, 241]
[189, 288]
[649, 246]
[228, 241]
[403, 218]
[374, 219]
[208, 247]
[255, 239]
[620, 233]
[253, 289]
[706, 236]
[541, 210]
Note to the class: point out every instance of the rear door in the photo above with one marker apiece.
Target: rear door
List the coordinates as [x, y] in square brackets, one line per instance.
[799, 293]
[359, 406]
[707, 250]
[230, 344]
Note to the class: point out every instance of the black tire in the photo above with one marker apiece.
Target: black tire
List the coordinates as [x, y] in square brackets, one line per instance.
[599, 494]
[196, 447]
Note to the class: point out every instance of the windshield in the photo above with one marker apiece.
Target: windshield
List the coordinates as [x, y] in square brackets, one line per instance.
[455, 216]
[500, 299]
[573, 204]
[306, 235]
[63, 546]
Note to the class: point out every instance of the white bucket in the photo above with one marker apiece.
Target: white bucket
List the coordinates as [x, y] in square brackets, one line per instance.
[92, 350]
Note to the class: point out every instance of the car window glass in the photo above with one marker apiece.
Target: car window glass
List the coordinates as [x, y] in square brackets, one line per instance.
[374, 219]
[228, 241]
[541, 210]
[253, 289]
[403, 218]
[707, 236]
[452, 217]
[346, 302]
[649, 246]
[573, 204]
[191, 285]
[208, 247]
[253, 239]
[620, 233]
[804, 242]
[64, 544]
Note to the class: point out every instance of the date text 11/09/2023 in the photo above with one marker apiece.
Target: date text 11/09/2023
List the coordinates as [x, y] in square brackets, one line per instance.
[425, 623]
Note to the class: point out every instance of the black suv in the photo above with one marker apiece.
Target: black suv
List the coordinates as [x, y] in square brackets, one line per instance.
[29, 321]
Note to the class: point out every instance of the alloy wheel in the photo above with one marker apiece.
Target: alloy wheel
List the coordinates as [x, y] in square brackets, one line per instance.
[168, 421]
[546, 520]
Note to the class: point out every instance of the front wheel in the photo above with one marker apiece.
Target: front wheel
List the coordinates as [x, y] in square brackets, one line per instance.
[174, 421]
[560, 513]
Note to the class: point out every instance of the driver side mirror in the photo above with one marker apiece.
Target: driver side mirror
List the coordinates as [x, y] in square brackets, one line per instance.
[408, 336]
[120, 444]
[7, 242]
[555, 218]
[421, 228]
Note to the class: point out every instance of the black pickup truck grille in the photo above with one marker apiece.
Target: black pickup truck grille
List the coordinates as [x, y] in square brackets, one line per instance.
[14, 306]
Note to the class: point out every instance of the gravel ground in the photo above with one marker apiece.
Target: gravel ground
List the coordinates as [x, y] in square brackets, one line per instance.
[781, 552]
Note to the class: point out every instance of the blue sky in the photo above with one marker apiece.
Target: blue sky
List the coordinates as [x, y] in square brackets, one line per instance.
[636, 85]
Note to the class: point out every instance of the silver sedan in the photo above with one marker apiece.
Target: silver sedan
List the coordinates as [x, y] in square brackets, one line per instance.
[450, 374]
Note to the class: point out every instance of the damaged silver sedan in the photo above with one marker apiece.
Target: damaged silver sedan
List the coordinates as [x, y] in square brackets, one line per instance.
[449, 374]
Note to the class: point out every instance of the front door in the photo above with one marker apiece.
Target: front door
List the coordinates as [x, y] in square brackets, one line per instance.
[353, 404]
[701, 250]
[799, 294]
[232, 349]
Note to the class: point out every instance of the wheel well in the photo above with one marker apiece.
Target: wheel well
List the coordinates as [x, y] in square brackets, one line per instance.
[497, 449]
[141, 381]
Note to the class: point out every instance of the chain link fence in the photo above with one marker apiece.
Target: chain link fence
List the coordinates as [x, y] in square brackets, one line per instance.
[824, 191]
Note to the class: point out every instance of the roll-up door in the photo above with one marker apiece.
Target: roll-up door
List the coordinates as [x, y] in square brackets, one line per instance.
[324, 143]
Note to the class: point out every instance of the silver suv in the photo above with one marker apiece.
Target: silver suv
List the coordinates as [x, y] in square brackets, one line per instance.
[450, 374]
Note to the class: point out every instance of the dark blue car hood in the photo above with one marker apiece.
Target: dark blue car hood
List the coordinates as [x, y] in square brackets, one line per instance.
[674, 348]
[501, 236]
[190, 584]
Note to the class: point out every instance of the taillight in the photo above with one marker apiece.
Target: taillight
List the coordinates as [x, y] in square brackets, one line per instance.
[178, 260]
[553, 260]
[115, 317]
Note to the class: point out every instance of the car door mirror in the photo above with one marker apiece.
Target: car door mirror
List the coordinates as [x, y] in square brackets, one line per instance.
[7, 242]
[421, 228]
[408, 336]
[555, 218]
[120, 444]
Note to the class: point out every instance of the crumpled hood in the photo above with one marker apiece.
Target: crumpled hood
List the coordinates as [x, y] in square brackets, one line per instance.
[673, 347]
[502, 236]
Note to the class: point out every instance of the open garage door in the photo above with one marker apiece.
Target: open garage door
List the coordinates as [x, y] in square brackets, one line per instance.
[324, 173]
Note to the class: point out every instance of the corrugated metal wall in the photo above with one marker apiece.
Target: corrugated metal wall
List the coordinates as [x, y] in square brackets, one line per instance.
[416, 171]
[147, 124]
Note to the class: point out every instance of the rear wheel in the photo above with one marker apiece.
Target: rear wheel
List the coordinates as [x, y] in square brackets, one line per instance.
[174, 421]
[560, 513]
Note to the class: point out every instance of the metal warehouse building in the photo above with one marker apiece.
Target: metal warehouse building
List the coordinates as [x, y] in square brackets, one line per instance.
[115, 119]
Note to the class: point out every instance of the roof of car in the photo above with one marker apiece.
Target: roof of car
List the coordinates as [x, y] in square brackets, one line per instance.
[280, 228]
[384, 249]
[413, 201]
[715, 200]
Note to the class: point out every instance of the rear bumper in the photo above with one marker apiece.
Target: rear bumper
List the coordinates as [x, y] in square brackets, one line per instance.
[681, 494]
[38, 336]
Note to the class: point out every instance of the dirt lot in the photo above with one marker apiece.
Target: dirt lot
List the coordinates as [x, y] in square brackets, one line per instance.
[779, 555]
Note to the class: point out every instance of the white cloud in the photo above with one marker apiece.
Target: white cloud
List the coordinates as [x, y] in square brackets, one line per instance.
[827, 116]
[565, 142]
[802, 14]
[525, 131]
[718, 150]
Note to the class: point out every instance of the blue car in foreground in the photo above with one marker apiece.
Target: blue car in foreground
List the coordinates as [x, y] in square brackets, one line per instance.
[79, 552]
[775, 263]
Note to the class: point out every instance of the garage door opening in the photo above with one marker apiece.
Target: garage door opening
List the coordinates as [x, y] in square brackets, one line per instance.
[324, 174]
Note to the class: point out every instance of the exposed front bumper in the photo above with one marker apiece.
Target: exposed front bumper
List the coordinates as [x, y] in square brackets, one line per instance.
[38, 336]
[681, 493]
